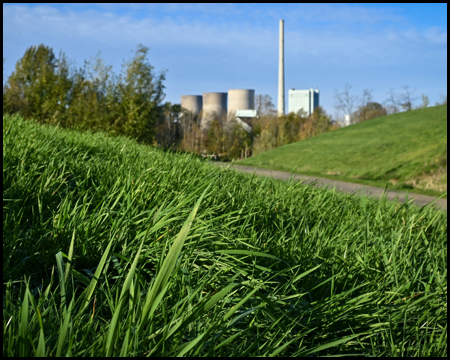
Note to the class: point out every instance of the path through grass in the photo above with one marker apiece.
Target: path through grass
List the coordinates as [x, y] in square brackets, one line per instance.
[113, 248]
[406, 150]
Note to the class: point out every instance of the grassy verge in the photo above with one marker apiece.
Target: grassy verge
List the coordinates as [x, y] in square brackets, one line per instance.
[380, 184]
[116, 249]
[406, 150]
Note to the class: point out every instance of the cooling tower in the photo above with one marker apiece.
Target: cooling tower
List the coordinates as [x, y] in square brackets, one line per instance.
[240, 99]
[214, 106]
[193, 103]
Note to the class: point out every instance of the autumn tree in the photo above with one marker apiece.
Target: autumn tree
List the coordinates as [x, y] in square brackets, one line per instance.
[190, 129]
[369, 111]
[169, 130]
[345, 102]
[264, 105]
[283, 130]
[214, 142]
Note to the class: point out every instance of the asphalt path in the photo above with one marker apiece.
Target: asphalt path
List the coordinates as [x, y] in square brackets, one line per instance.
[419, 200]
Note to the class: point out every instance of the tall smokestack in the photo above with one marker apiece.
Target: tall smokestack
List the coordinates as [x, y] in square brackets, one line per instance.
[281, 72]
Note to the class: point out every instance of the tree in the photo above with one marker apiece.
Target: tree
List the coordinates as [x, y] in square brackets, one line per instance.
[425, 101]
[404, 100]
[278, 131]
[39, 85]
[169, 131]
[237, 141]
[264, 105]
[215, 137]
[407, 99]
[442, 100]
[371, 110]
[368, 109]
[140, 94]
[392, 104]
[93, 96]
[190, 130]
[345, 102]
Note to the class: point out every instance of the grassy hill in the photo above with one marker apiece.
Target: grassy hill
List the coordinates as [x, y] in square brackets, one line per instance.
[407, 150]
[111, 248]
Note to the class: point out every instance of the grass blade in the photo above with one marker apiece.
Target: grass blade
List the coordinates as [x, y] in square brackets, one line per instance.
[23, 327]
[115, 321]
[90, 289]
[69, 258]
[169, 264]
[66, 321]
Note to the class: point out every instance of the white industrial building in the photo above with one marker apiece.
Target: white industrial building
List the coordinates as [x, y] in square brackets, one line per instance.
[307, 100]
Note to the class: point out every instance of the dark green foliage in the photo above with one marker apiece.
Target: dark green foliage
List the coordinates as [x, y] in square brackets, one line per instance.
[139, 95]
[370, 111]
[40, 85]
[44, 88]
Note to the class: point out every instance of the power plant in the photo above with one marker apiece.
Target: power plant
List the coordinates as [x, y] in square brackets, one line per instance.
[239, 104]
[306, 100]
[214, 105]
[193, 103]
[240, 99]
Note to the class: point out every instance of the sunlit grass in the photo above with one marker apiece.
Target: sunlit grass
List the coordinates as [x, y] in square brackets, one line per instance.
[407, 151]
[114, 248]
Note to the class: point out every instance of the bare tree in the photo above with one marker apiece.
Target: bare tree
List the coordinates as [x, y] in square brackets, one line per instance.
[363, 108]
[264, 105]
[442, 100]
[407, 99]
[392, 103]
[425, 101]
[345, 102]
[367, 97]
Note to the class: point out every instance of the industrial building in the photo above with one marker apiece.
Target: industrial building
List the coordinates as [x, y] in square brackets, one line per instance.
[306, 100]
[214, 105]
[237, 104]
[193, 103]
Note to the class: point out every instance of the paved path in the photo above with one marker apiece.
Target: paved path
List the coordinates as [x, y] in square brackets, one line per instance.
[419, 200]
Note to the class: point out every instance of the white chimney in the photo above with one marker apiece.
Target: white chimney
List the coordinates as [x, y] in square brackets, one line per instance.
[281, 72]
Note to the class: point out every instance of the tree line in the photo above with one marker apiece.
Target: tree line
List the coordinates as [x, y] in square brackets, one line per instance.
[48, 89]
[51, 90]
[362, 108]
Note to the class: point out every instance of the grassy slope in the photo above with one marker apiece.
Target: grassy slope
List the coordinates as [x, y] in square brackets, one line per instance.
[399, 147]
[374, 268]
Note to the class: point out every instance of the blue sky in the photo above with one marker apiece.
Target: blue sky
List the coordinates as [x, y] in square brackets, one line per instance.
[217, 47]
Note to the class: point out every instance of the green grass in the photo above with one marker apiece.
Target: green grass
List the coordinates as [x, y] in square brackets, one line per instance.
[408, 149]
[111, 248]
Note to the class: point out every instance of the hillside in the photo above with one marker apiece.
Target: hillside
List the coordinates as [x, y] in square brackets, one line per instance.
[111, 248]
[407, 150]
